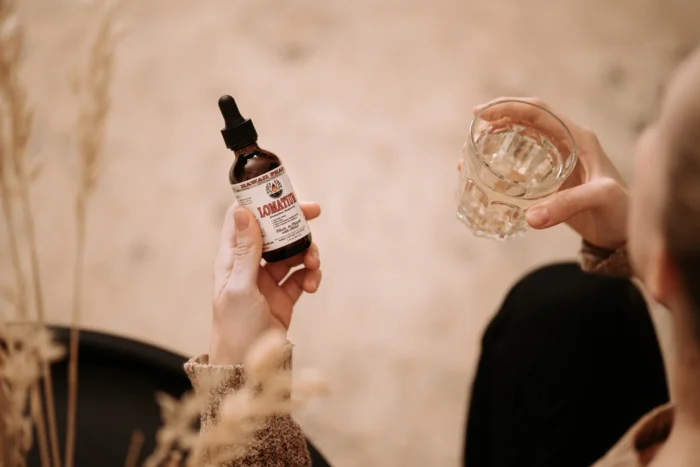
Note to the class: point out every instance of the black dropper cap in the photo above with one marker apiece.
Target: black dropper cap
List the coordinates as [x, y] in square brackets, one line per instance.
[239, 132]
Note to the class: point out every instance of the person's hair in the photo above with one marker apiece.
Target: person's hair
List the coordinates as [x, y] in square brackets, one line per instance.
[681, 220]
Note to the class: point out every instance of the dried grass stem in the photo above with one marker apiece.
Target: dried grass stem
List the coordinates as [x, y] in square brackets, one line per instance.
[40, 425]
[132, 456]
[91, 127]
[18, 119]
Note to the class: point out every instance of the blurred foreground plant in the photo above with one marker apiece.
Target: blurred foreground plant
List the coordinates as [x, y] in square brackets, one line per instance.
[26, 347]
[15, 177]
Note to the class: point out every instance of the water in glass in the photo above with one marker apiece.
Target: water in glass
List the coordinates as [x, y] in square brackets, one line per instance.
[507, 169]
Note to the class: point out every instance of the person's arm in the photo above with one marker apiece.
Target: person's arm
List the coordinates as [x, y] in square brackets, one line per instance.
[280, 442]
[251, 299]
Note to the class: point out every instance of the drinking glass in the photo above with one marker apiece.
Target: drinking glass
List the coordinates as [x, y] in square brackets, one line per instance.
[517, 154]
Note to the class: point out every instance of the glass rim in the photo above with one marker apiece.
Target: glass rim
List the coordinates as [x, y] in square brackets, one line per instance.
[562, 176]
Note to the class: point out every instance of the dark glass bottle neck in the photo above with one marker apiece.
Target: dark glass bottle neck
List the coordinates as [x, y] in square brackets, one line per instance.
[245, 150]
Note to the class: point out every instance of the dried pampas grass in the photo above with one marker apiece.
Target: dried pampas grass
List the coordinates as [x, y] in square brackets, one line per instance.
[93, 90]
[15, 178]
[24, 350]
[16, 175]
[134, 452]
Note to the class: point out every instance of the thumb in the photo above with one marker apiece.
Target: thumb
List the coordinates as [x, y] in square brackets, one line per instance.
[563, 205]
[247, 250]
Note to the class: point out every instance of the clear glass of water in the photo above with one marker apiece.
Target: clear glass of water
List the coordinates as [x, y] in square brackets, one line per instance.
[517, 154]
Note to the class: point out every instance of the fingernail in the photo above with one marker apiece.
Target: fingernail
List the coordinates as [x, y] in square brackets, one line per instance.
[241, 219]
[538, 217]
[314, 254]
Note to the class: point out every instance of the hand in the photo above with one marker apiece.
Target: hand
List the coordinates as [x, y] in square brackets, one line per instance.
[250, 298]
[593, 200]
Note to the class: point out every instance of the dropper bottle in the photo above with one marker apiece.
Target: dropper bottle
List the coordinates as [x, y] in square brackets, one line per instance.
[261, 185]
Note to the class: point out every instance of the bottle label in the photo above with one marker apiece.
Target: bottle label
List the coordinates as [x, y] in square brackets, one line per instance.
[270, 197]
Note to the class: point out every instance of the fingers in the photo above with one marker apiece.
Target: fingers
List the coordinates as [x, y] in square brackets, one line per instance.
[224, 259]
[241, 253]
[306, 279]
[526, 110]
[511, 109]
[565, 204]
[301, 281]
[312, 280]
[518, 111]
[531, 111]
[310, 259]
[247, 251]
[227, 230]
[282, 298]
[311, 210]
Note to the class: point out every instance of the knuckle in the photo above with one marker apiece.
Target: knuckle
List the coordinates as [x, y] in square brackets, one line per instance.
[229, 211]
[609, 188]
[607, 184]
[588, 133]
[538, 101]
[235, 293]
[567, 202]
[244, 247]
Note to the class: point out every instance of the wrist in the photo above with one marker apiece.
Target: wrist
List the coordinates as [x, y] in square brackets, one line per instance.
[226, 351]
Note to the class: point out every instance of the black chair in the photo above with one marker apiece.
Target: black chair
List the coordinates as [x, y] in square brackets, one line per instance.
[118, 379]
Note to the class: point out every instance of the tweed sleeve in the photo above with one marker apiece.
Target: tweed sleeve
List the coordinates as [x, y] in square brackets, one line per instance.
[603, 261]
[280, 442]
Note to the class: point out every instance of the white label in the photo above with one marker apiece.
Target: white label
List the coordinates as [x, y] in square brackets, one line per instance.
[270, 197]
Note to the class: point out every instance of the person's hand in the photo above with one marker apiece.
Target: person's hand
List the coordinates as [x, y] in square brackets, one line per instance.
[593, 200]
[250, 298]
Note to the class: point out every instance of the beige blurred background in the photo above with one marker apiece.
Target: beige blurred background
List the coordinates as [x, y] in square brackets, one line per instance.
[368, 103]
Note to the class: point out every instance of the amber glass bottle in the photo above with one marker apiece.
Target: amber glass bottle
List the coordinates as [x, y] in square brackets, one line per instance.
[262, 186]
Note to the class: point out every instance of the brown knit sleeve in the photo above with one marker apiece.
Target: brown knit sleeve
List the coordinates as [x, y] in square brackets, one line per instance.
[603, 261]
[279, 443]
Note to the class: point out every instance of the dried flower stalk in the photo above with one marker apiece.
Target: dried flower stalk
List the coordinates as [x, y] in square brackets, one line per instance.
[174, 460]
[19, 120]
[40, 423]
[24, 349]
[177, 431]
[132, 456]
[92, 116]
[20, 301]
[4, 436]
[7, 161]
